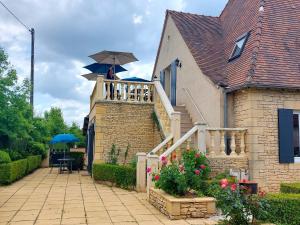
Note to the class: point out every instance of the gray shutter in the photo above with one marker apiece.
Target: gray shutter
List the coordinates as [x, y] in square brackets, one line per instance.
[285, 136]
[162, 78]
[173, 82]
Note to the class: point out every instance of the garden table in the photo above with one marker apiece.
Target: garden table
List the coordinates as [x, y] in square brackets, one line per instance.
[65, 162]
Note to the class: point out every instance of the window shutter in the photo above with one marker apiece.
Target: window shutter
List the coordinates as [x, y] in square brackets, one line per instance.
[285, 135]
[162, 78]
[173, 82]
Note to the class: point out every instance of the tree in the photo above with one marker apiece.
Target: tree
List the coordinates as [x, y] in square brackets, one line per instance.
[55, 121]
[15, 111]
[75, 129]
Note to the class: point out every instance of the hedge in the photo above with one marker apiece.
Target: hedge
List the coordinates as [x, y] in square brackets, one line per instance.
[10, 172]
[284, 208]
[4, 157]
[33, 162]
[290, 188]
[121, 176]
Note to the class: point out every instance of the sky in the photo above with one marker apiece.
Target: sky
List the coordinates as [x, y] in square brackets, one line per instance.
[68, 31]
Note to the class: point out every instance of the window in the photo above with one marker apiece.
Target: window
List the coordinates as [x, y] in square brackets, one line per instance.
[239, 46]
[289, 135]
[296, 136]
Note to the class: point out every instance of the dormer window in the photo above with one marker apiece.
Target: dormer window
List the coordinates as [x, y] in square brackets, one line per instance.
[239, 46]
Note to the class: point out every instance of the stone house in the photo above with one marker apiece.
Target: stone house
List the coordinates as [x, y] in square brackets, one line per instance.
[228, 86]
[240, 70]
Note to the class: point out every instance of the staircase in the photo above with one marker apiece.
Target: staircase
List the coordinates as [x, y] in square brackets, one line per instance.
[185, 120]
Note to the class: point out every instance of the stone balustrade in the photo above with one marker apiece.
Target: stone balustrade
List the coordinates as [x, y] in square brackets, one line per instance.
[226, 142]
[122, 91]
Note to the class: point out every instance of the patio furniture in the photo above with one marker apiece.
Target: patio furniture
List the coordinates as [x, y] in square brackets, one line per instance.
[65, 164]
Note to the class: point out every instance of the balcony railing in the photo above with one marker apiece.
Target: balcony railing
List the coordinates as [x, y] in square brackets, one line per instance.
[125, 91]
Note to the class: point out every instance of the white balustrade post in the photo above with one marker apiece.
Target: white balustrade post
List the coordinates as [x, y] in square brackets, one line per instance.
[115, 91]
[142, 93]
[243, 146]
[99, 93]
[222, 143]
[141, 172]
[212, 143]
[135, 92]
[149, 86]
[233, 144]
[200, 137]
[128, 91]
[152, 162]
[175, 125]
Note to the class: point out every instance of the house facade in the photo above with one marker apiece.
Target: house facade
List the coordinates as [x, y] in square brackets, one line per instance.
[240, 70]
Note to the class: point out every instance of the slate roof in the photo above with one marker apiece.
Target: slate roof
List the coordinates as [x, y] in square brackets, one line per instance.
[271, 57]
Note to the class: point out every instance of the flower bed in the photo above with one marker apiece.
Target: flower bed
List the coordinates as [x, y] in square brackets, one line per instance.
[182, 208]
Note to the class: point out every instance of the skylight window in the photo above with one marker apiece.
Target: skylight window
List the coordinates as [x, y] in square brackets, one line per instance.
[239, 46]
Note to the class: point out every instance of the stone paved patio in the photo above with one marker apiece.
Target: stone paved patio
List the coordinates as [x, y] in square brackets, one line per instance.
[52, 198]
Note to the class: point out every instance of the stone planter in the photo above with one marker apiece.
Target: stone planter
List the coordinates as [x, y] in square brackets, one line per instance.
[182, 208]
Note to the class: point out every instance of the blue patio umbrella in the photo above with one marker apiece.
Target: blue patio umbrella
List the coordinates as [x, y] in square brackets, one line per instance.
[135, 79]
[103, 68]
[64, 138]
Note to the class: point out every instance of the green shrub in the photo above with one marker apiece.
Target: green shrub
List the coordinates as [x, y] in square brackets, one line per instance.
[78, 160]
[10, 172]
[15, 155]
[290, 188]
[172, 180]
[192, 174]
[121, 176]
[283, 208]
[4, 157]
[33, 162]
[36, 148]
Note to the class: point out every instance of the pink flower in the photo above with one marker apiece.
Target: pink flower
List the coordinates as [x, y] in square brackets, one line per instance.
[202, 167]
[197, 155]
[181, 168]
[163, 158]
[197, 172]
[149, 170]
[164, 162]
[223, 186]
[233, 187]
[224, 183]
[156, 177]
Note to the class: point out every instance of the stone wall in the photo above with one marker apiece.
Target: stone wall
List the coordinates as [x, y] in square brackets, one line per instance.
[221, 164]
[162, 116]
[182, 208]
[256, 109]
[124, 123]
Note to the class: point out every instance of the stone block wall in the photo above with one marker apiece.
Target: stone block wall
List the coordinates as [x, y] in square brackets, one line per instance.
[221, 164]
[256, 109]
[182, 208]
[123, 123]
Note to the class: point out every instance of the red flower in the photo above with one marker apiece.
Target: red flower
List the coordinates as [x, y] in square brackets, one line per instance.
[197, 155]
[233, 187]
[149, 170]
[202, 167]
[163, 158]
[224, 183]
[197, 172]
[181, 168]
[156, 177]
[164, 162]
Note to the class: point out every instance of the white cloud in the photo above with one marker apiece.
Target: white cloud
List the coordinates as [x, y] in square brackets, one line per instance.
[67, 31]
[137, 19]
